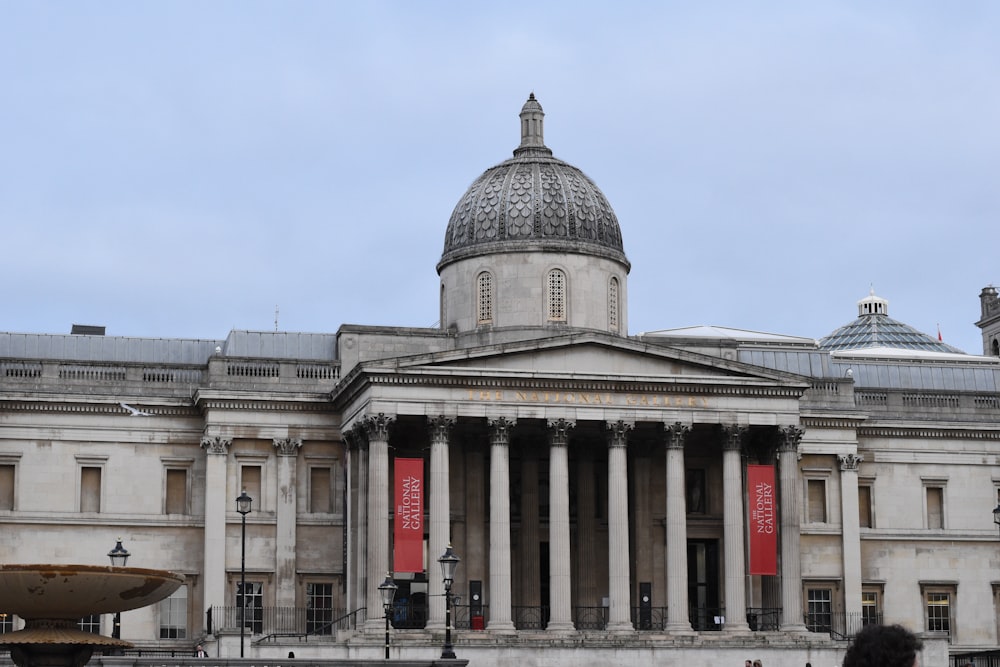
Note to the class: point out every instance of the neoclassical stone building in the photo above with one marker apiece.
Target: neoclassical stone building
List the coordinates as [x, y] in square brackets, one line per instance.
[601, 488]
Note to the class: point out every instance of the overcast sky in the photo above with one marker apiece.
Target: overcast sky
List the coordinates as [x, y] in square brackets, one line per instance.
[179, 169]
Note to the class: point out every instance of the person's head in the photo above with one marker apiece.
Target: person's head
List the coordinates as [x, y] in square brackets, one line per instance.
[198, 647]
[883, 646]
[758, 663]
[748, 663]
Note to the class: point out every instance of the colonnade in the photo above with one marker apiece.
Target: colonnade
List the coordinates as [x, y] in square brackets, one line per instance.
[372, 437]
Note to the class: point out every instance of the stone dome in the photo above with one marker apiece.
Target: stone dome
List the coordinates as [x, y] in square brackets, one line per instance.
[533, 202]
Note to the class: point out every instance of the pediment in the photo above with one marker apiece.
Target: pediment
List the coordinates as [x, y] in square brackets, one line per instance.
[587, 356]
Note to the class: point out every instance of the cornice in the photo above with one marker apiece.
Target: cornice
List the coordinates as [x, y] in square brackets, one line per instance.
[113, 409]
[872, 431]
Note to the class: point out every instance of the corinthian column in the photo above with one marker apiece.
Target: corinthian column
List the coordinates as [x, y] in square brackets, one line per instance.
[791, 558]
[377, 430]
[733, 518]
[560, 615]
[499, 593]
[214, 572]
[285, 520]
[851, 536]
[440, 521]
[619, 612]
[678, 618]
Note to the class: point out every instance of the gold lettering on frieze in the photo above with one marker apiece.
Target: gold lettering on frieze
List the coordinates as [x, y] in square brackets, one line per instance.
[590, 398]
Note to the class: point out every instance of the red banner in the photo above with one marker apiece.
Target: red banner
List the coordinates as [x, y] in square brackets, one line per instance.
[762, 508]
[408, 528]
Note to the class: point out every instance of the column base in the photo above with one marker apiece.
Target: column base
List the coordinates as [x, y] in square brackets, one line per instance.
[620, 628]
[560, 627]
[502, 628]
[679, 629]
[434, 624]
[798, 628]
[737, 629]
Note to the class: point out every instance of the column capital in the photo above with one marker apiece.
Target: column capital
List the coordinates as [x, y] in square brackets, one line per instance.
[355, 438]
[791, 436]
[850, 462]
[287, 446]
[617, 433]
[559, 432]
[440, 427]
[217, 445]
[676, 434]
[377, 427]
[500, 429]
[733, 436]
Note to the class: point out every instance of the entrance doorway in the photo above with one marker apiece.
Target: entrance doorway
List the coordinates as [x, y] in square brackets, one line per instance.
[703, 585]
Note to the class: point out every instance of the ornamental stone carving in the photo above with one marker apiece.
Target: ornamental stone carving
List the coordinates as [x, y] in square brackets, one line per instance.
[559, 432]
[791, 436]
[287, 446]
[850, 462]
[377, 427]
[617, 433]
[440, 428]
[217, 445]
[500, 431]
[676, 434]
[733, 436]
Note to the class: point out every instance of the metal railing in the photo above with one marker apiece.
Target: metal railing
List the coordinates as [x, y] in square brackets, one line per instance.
[278, 620]
[590, 618]
[707, 619]
[530, 618]
[649, 618]
[840, 625]
[764, 619]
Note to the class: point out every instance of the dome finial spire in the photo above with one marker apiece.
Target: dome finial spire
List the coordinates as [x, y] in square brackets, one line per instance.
[532, 131]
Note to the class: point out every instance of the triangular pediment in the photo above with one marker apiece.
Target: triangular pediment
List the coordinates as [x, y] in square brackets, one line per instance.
[585, 356]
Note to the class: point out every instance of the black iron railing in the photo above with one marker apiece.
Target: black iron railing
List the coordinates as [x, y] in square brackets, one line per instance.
[649, 618]
[530, 618]
[707, 619]
[840, 625]
[590, 618]
[764, 619]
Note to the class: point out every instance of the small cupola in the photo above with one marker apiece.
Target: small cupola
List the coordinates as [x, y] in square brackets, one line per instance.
[872, 305]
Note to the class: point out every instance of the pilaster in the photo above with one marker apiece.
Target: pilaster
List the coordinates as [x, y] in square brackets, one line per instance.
[851, 536]
[214, 570]
[284, 552]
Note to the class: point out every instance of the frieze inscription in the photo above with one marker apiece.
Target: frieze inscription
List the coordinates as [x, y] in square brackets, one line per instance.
[588, 398]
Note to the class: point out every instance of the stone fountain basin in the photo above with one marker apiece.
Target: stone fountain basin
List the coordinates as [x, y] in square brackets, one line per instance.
[74, 591]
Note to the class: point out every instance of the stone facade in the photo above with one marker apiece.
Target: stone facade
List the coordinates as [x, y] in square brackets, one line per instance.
[594, 483]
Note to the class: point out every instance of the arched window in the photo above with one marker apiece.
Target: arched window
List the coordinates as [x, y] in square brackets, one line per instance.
[556, 296]
[613, 304]
[484, 299]
[996, 348]
[443, 308]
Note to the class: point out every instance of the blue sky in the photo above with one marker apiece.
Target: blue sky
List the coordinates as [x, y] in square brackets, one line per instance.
[178, 169]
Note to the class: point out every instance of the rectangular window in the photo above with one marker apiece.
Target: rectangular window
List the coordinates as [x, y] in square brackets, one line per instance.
[935, 507]
[319, 609]
[865, 507]
[938, 605]
[250, 482]
[90, 624]
[819, 609]
[90, 489]
[176, 500]
[871, 608]
[320, 491]
[816, 500]
[6, 623]
[250, 607]
[173, 615]
[7, 487]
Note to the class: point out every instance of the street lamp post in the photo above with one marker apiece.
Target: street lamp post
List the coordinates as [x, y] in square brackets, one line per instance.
[449, 563]
[243, 506]
[119, 557]
[387, 589]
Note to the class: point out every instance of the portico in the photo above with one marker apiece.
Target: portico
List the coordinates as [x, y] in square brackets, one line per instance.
[599, 487]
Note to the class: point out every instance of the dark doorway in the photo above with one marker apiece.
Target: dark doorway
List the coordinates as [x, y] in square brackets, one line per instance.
[703, 584]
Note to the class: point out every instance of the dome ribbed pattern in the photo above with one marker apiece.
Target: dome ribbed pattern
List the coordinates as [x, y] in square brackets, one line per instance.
[532, 201]
[877, 330]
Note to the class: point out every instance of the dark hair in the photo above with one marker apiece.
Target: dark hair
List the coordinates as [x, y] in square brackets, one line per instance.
[883, 646]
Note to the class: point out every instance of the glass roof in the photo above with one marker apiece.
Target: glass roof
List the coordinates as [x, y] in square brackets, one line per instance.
[878, 330]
